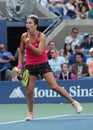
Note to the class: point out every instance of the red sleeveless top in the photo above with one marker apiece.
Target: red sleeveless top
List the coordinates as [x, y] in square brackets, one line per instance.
[31, 57]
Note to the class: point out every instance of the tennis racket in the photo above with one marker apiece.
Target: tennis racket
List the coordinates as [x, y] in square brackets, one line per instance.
[24, 77]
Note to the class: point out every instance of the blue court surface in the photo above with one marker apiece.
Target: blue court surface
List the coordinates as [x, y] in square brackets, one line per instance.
[61, 122]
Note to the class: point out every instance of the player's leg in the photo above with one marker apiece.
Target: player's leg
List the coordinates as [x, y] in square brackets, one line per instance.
[54, 86]
[49, 77]
[29, 96]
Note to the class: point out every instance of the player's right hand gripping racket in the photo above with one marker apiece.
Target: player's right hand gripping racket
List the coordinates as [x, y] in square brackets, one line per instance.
[24, 77]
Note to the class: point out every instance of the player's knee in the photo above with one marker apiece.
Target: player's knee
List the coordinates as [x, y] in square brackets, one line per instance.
[29, 91]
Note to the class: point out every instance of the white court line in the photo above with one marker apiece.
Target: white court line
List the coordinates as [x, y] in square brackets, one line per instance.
[10, 122]
[65, 117]
[50, 117]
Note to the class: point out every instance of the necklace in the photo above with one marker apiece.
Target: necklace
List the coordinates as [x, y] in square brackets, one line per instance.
[63, 75]
[32, 34]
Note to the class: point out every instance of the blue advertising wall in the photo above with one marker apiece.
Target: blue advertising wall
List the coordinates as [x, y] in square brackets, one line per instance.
[14, 92]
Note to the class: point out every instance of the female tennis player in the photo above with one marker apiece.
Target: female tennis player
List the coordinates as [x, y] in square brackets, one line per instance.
[33, 42]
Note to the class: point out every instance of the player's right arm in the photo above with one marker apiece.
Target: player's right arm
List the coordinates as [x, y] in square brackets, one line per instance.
[21, 52]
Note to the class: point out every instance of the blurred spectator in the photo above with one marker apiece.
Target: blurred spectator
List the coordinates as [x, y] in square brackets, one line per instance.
[65, 1]
[51, 45]
[90, 12]
[87, 42]
[91, 1]
[57, 7]
[90, 68]
[73, 39]
[80, 69]
[44, 3]
[6, 59]
[8, 75]
[56, 61]
[82, 13]
[70, 10]
[16, 55]
[67, 51]
[83, 8]
[11, 75]
[15, 73]
[91, 56]
[84, 3]
[85, 52]
[72, 58]
[65, 73]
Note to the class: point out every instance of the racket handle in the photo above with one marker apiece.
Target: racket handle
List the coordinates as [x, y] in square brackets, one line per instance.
[19, 77]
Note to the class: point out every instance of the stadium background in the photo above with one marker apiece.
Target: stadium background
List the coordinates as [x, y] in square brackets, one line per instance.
[11, 28]
[10, 32]
[55, 28]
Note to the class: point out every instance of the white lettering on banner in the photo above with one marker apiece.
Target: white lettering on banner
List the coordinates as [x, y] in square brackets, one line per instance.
[78, 92]
[17, 93]
[45, 93]
[74, 91]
